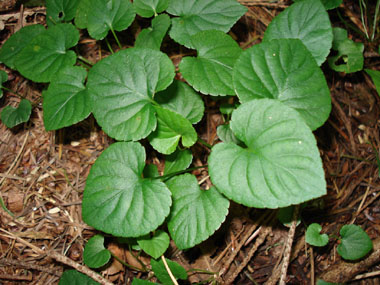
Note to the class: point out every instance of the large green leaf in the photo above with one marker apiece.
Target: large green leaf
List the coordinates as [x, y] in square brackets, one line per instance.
[355, 242]
[11, 116]
[284, 70]
[281, 165]
[3, 78]
[149, 8]
[375, 76]
[155, 246]
[201, 15]
[329, 4]
[122, 87]
[60, 10]
[95, 255]
[66, 101]
[84, 6]
[162, 274]
[117, 200]
[211, 71]
[314, 237]
[171, 127]
[178, 161]
[47, 53]
[305, 20]
[73, 277]
[152, 37]
[182, 99]
[13, 46]
[196, 214]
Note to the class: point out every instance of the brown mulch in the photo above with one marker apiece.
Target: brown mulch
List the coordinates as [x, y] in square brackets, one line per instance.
[43, 174]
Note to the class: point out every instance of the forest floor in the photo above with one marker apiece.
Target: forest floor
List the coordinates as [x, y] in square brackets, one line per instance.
[42, 178]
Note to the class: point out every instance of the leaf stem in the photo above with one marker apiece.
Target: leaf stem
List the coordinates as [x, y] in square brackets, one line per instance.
[206, 144]
[14, 92]
[116, 38]
[5, 208]
[86, 61]
[109, 46]
[170, 175]
[124, 263]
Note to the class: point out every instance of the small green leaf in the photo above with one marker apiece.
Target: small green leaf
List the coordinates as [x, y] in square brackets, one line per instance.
[196, 214]
[155, 246]
[227, 109]
[314, 237]
[3, 78]
[280, 166]
[355, 242]
[375, 76]
[149, 8]
[150, 171]
[152, 37]
[178, 161]
[226, 135]
[305, 20]
[73, 277]
[159, 270]
[66, 102]
[47, 53]
[322, 282]
[13, 46]
[285, 216]
[182, 99]
[142, 282]
[329, 4]
[211, 71]
[118, 200]
[95, 255]
[13, 116]
[58, 11]
[201, 15]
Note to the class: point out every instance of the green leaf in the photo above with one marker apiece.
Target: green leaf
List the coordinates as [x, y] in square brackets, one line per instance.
[329, 4]
[14, 45]
[211, 71]
[149, 8]
[375, 76]
[285, 216]
[283, 70]
[305, 20]
[122, 87]
[196, 214]
[314, 237]
[117, 200]
[201, 15]
[182, 99]
[159, 270]
[47, 53]
[84, 6]
[150, 171]
[73, 277]
[13, 116]
[171, 127]
[3, 78]
[178, 161]
[58, 11]
[355, 242]
[226, 135]
[95, 255]
[322, 282]
[227, 108]
[66, 102]
[281, 165]
[349, 52]
[106, 15]
[142, 282]
[155, 246]
[152, 37]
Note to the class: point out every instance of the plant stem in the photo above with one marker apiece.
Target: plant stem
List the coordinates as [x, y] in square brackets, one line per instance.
[169, 271]
[5, 208]
[14, 92]
[85, 60]
[167, 176]
[124, 263]
[375, 20]
[206, 144]
[361, 4]
[109, 46]
[116, 38]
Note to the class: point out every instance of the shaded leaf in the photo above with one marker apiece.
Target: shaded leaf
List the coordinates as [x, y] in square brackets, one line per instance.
[58, 11]
[226, 135]
[11, 116]
[177, 161]
[285, 216]
[149, 8]
[152, 37]
[314, 237]
[355, 242]
[95, 255]
[137, 281]
[375, 76]
[159, 270]
[155, 246]
[73, 277]
[3, 78]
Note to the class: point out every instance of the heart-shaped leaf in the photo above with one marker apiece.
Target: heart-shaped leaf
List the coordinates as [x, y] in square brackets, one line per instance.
[226, 135]
[149, 8]
[281, 165]
[47, 53]
[13, 46]
[178, 161]
[73, 277]
[122, 87]
[171, 127]
[211, 71]
[283, 70]
[3, 78]
[162, 274]
[117, 200]
[11, 116]
[196, 214]
[58, 11]
[308, 21]
[355, 242]
[66, 102]
[201, 15]
[155, 246]
[152, 37]
[95, 255]
[314, 237]
[375, 76]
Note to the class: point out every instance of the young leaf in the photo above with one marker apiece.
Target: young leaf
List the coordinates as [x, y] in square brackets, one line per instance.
[73, 277]
[117, 200]
[149, 8]
[152, 37]
[211, 71]
[355, 242]
[375, 76]
[182, 99]
[177, 161]
[66, 102]
[11, 116]
[201, 15]
[137, 281]
[305, 20]
[155, 246]
[47, 53]
[285, 216]
[3, 78]
[162, 274]
[122, 87]
[314, 237]
[171, 127]
[196, 214]
[13, 46]
[284, 70]
[226, 135]
[150, 171]
[95, 255]
[281, 165]
[58, 11]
